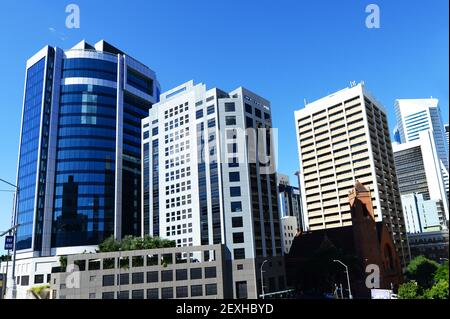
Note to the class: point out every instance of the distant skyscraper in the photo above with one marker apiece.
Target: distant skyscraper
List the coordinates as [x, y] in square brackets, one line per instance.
[418, 170]
[447, 132]
[289, 200]
[79, 156]
[201, 185]
[417, 115]
[422, 215]
[344, 138]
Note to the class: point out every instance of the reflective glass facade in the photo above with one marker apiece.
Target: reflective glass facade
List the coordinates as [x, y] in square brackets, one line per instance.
[29, 153]
[81, 135]
[85, 166]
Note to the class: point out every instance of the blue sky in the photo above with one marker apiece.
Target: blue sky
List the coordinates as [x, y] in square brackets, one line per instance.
[286, 51]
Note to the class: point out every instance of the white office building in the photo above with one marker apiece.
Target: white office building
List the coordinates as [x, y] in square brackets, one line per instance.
[204, 183]
[418, 171]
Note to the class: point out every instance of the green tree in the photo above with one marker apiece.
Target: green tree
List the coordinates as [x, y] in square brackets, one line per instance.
[441, 272]
[438, 291]
[409, 290]
[134, 243]
[422, 271]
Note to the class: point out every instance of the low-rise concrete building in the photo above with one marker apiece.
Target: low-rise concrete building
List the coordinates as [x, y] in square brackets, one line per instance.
[165, 273]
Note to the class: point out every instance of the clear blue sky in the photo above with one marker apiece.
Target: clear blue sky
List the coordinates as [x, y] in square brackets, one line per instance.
[285, 51]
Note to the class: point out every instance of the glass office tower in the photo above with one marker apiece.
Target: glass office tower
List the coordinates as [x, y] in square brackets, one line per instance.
[79, 155]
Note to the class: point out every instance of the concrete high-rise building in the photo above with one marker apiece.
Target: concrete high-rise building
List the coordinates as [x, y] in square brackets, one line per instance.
[343, 138]
[289, 200]
[209, 178]
[418, 172]
[80, 151]
[416, 115]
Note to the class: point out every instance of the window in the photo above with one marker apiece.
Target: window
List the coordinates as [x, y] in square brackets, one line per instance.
[81, 264]
[108, 295]
[166, 259]
[229, 107]
[239, 253]
[138, 261]
[196, 273]
[234, 177]
[152, 276]
[38, 279]
[92, 295]
[210, 272]
[248, 108]
[108, 263]
[181, 274]
[211, 123]
[199, 114]
[258, 113]
[152, 260]
[108, 280]
[182, 292]
[166, 275]
[211, 289]
[152, 293]
[236, 222]
[124, 262]
[230, 120]
[137, 278]
[123, 279]
[241, 290]
[25, 280]
[196, 290]
[167, 293]
[235, 191]
[248, 122]
[231, 134]
[137, 294]
[94, 264]
[238, 238]
[210, 109]
[232, 148]
[236, 207]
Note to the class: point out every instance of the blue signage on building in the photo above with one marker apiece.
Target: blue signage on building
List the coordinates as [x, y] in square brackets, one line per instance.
[9, 242]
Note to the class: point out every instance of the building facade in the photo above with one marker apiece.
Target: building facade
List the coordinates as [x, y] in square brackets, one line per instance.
[209, 178]
[418, 172]
[422, 215]
[289, 200]
[165, 273]
[289, 229]
[79, 166]
[344, 138]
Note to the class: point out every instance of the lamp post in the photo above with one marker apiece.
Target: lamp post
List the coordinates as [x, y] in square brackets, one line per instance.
[14, 227]
[262, 278]
[348, 278]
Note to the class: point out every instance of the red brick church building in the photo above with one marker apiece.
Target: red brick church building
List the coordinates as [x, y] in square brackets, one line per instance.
[309, 262]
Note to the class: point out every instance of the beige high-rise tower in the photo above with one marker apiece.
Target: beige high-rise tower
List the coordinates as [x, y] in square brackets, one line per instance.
[343, 138]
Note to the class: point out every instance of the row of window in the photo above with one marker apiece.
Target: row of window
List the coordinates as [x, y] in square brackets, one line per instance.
[163, 293]
[158, 276]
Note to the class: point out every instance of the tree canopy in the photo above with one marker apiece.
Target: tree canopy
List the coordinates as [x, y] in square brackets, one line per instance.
[134, 243]
[427, 280]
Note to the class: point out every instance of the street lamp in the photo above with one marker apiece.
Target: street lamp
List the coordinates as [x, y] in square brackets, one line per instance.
[348, 278]
[262, 278]
[14, 228]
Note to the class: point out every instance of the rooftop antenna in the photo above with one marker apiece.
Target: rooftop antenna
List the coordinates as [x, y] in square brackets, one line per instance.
[304, 102]
[352, 83]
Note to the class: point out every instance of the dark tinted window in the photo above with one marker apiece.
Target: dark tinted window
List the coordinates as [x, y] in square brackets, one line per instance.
[152, 293]
[166, 275]
[152, 276]
[229, 107]
[210, 272]
[167, 293]
[236, 222]
[238, 238]
[211, 289]
[137, 294]
[196, 290]
[196, 273]
[137, 278]
[181, 274]
[239, 253]
[108, 280]
[182, 292]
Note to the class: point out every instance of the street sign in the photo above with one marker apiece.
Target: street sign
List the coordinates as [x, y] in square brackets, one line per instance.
[9, 242]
